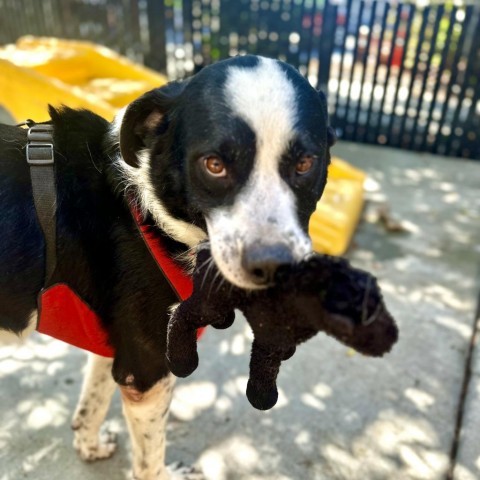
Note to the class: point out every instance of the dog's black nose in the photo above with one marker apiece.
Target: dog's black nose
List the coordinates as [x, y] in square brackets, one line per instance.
[261, 261]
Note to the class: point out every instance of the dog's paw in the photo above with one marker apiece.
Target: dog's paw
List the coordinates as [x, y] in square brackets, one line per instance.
[179, 471]
[93, 447]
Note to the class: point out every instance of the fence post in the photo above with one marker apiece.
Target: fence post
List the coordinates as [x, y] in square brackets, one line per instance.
[326, 44]
[157, 57]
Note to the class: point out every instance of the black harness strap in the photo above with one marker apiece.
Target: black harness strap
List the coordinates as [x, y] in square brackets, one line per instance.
[40, 157]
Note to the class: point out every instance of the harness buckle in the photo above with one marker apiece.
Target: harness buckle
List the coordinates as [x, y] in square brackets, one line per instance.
[40, 145]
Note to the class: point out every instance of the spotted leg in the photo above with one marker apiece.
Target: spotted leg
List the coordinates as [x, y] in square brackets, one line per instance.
[96, 395]
[146, 416]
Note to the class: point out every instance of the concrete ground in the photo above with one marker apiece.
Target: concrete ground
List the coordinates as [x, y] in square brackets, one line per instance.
[340, 415]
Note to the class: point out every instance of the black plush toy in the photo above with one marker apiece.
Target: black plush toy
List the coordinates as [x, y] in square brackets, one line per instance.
[322, 293]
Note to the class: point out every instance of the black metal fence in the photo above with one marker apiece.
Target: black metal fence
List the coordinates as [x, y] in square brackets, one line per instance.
[396, 73]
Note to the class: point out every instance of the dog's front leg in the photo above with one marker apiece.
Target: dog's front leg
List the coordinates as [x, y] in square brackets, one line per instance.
[146, 415]
[98, 388]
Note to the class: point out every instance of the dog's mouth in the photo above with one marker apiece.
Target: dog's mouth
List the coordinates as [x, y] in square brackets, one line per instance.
[252, 266]
[230, 270]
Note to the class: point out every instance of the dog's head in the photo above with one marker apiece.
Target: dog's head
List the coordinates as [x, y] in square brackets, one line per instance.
[238, 153]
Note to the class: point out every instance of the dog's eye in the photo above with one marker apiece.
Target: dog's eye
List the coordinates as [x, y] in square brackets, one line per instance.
[214, 166]
[305, 164]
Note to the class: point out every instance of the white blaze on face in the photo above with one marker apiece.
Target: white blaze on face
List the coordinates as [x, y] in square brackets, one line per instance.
[264, 210]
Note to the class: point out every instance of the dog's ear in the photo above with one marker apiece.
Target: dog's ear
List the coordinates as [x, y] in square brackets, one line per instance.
[331, 135]
[144, 117]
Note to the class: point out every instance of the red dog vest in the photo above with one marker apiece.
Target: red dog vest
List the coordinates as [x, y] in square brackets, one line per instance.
[65, 316]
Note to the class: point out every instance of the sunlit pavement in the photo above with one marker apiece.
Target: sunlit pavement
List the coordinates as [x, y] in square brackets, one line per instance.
[340, 415]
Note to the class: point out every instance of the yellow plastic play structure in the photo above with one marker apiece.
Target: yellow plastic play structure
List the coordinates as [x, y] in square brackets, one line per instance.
[335, 219]
[36, 72]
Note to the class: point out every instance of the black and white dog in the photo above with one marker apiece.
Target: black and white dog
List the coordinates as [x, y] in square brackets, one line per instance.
[236, 155]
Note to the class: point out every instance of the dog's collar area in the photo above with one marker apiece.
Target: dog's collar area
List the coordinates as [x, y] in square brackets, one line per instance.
[179, 281]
